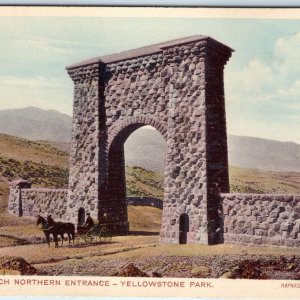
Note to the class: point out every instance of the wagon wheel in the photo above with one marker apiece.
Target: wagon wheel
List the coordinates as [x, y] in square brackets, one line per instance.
[96, 233]
[78, 239]
[105, 236]
[88, 238]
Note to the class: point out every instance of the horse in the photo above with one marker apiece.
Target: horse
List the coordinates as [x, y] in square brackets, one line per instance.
[69, 229]
[57, 228]
[47, 230]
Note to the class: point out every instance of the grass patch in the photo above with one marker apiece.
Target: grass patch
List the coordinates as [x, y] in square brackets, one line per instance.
[263, 182]
[39, 174]
[144, 183]
[44, 152]
[144, 218]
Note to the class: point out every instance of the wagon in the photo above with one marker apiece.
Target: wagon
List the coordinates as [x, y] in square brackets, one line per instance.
[97, 233]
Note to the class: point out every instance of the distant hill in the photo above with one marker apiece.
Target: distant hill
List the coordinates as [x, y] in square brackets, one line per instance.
[146, 147]
[251, 152]
[36, 124]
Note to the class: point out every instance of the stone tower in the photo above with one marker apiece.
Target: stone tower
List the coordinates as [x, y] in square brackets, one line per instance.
[177, 87]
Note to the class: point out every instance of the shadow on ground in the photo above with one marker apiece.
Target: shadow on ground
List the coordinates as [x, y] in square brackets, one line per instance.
[146, 233]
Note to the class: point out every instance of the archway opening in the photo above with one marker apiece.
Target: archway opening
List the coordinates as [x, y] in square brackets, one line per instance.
[145, 168]
[136, 162]
[184, 228]
[81, 216]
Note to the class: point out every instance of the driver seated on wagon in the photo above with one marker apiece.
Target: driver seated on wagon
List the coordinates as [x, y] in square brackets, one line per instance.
[89, 223]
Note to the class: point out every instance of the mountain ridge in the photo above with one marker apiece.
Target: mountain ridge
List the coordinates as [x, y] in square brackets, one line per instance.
[36, 124]
[146, 147]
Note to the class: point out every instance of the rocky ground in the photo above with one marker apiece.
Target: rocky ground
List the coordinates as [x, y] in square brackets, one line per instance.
[250, 267]
[143, 256]
[15, 266]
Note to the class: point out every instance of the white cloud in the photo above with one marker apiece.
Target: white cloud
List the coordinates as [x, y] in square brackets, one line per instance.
[265, 82]
[263, 99]
[291, 91]
[254, 73]
[286, 55]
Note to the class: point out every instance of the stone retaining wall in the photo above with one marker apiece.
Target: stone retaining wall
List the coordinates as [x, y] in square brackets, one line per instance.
[30, 202]
[45, 201]
[261, 219]
[145, 201]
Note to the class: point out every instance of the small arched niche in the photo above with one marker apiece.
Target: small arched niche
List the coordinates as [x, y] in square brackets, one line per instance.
[184, 228]
[81, 216]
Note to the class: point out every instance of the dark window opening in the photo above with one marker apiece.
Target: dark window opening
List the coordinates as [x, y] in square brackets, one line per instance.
[81, 216]
[184, 228]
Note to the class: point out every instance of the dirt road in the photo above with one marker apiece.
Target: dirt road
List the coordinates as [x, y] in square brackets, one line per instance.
[145, 254]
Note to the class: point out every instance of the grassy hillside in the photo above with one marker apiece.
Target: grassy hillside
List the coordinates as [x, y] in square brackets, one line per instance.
[244, 180]
[40, 174]
[38, 152]
[141, 182]
[40, 162]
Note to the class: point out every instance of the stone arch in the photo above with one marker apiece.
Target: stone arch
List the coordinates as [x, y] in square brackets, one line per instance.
[130, 124]
[116, 207]
[178, 88]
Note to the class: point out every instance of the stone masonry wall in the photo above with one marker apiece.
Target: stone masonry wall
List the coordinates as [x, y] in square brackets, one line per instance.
[134, 96]
[189, 158]
[30, 202]
[176, 87]
[15, 197]
[145, 201]
[84, 181]
[169, 91]
[216, 138]
[14, 201]
[261, 219]
[45, 201]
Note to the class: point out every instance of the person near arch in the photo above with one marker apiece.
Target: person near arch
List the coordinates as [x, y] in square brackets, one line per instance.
[89, 223]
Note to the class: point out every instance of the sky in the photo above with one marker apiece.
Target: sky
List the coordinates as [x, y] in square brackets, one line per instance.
[262, 78]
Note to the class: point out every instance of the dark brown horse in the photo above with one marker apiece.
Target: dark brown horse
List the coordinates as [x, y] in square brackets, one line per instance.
[57, 228]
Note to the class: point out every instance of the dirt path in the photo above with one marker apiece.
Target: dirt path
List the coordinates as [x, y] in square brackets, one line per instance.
[40, 253]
